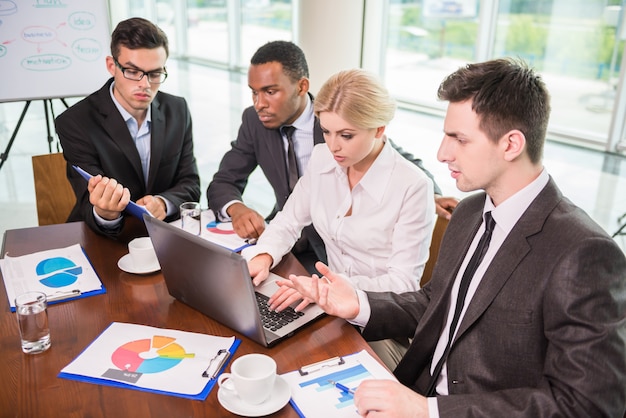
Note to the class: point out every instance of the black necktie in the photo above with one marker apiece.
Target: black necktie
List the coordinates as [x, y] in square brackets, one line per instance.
[473, 264]
[292, 162]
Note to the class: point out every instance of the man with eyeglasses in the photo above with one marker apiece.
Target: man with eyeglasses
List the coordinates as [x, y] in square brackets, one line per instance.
[136, 141]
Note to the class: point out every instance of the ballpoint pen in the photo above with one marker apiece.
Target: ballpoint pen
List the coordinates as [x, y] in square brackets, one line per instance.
[341, 387]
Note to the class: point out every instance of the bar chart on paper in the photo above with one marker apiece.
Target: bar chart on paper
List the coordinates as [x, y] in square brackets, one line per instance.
[314, 394]
[322, 386]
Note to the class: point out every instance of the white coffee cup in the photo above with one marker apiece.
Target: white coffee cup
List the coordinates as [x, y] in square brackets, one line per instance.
[251, 377]
[142, 253]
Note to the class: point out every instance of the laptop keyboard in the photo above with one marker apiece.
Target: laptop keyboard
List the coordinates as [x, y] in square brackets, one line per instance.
[275, 320]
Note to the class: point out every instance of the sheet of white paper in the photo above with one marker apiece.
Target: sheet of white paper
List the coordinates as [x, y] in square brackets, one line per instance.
[151, 358]
[315, 396]
[55, 272]
[220, 233]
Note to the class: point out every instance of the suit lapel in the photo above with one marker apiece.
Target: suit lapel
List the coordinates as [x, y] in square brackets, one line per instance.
[157, 141]
[513, 250]
[116, 128]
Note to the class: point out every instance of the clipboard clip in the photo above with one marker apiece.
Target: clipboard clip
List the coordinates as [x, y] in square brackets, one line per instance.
[315, 367]
[63, 295]
[212, 373]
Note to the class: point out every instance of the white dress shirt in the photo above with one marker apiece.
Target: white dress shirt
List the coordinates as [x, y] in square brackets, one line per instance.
[384, 244]
[141, 136]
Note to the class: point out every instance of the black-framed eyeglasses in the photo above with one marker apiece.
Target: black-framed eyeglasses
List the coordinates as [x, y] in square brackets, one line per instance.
[154, 77]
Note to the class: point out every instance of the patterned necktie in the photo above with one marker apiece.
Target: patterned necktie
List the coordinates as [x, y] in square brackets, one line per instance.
[292, 162]
[473, 264]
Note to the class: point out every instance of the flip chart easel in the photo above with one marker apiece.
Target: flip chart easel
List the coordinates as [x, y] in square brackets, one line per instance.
[49, 110]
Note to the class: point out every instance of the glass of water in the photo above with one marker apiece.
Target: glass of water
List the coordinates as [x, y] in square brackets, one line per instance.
[32, 319]
[190, 217]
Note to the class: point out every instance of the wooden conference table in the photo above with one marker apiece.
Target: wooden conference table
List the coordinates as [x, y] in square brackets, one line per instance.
[30, 386]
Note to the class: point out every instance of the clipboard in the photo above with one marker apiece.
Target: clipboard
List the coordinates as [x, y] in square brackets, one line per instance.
[177, 368]
[132, 207]
[326, 388]
[68, 270]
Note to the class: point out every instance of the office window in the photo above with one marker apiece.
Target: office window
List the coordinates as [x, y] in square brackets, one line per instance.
[263, 21]
[427, 40]
[575, 44]
[207, 30]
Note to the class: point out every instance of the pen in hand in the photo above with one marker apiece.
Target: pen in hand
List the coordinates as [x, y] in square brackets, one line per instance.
[341, 387]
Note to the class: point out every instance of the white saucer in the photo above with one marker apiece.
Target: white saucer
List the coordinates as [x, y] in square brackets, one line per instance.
[126, 264]
[279, 398]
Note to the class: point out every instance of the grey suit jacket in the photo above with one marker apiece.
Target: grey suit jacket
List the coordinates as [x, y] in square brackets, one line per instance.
[545, 333]
[94, 136]
[258, 146]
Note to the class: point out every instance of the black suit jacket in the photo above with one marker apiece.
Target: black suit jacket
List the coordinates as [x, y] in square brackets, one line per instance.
[94, 136]
[545, 333]
[258, 146]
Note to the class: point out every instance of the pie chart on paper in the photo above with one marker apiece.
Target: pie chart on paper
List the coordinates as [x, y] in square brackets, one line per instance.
[153, 355]
[222, 228]
[58, 272]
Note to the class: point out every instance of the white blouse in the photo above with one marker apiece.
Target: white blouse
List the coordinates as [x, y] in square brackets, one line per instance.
[384, 244]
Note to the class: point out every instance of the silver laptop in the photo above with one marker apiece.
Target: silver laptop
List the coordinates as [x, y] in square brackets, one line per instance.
[216, 282]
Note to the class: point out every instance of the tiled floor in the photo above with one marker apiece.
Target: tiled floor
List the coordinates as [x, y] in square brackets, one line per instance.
[593, 180]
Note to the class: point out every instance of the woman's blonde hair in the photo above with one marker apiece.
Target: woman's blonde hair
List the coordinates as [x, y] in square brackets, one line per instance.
[358, 97]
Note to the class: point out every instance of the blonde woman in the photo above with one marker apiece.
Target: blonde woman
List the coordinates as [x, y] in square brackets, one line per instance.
[373, 209]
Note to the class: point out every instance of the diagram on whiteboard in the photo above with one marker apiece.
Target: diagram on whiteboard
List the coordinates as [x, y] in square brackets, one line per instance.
[52, 48]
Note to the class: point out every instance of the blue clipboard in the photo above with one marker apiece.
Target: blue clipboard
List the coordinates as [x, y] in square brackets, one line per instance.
[132, 208]
[200, 396]
[67, 296]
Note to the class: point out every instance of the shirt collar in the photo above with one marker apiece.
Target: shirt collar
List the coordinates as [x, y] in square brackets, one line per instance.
[375, 182]
[306, 119]
[508, 212]
[125, 115]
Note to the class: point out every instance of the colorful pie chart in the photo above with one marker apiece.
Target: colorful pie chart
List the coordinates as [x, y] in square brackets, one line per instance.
[149, 355]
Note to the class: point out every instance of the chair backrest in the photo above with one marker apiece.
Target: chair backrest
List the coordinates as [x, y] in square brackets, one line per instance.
[53, 192]
[440, 227]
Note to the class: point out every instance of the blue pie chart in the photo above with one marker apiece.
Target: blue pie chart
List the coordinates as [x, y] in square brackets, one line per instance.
[58, 272]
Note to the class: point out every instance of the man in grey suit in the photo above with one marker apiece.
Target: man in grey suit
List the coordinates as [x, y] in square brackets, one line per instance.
[135, 140]
[539, 325]
[278, 77]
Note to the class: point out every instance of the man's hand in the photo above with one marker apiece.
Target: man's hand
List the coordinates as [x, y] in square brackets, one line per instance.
[247, 223]
[155, 205]
[388, 398]
[445, 205]
[108, 197]
[259, 268]
[334, 294]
